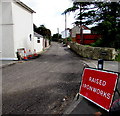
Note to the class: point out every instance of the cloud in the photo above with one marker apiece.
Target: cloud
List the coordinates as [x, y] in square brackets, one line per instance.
[48, 12]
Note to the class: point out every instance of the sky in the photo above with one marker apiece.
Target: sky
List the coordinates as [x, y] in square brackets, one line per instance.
[48, 13]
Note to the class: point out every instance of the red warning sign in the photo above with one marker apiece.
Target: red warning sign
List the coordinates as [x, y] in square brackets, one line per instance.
[98, 86]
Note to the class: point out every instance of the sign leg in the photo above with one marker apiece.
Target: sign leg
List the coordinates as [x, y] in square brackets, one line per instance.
[118, 91]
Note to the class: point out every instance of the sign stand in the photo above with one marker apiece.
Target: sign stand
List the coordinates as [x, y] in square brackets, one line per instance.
[118, 91]
[91, 86]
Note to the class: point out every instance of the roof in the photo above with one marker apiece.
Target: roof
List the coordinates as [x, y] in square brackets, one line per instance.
[24, 6]
[84, 27]
[37, 35]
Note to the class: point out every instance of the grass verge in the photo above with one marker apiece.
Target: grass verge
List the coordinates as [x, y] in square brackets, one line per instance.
[118, 56]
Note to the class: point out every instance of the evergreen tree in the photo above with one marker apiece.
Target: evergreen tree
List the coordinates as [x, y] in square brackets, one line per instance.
[83, 11]
[108, 18]
[106, 15]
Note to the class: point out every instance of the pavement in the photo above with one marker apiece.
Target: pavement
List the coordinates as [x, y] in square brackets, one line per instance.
[4, 63]
[81, 105]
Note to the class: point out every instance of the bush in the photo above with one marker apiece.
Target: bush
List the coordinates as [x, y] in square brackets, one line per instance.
[69, 39]
[118, 56]
[98, 43]
[61, 40]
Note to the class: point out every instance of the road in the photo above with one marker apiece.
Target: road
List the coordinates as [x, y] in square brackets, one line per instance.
[46, 85]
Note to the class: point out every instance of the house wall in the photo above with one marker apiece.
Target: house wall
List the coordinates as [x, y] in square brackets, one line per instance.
[0, 56]
[38, 46]
[43, 43]
[47, 42]
[23, 27]
[0, 30]
[76, 30]
[7, 31]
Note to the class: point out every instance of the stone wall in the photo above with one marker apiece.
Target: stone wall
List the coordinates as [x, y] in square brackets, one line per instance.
[93, 52]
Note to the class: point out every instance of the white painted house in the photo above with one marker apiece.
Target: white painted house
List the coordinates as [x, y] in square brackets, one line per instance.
[38, 42]
[17, 29]
[0, 30]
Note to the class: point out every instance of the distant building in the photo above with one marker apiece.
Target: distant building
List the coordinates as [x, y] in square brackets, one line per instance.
[76, 30]
[17, 28]
[86, 37]
[65, 33]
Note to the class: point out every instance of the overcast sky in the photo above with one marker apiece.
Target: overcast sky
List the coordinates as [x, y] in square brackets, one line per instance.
[48, 12]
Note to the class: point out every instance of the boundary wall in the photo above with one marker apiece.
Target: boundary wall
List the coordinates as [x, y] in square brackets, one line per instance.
[93, 52]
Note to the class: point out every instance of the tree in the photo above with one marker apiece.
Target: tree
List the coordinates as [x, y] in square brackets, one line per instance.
[105, 14]
[56, 37]
[48, 33]
[42, 30]
[83, 10]
[108, 17]
[35, 28]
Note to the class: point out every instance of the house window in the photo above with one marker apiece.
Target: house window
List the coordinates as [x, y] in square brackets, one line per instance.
[38, 40]
[30, 37]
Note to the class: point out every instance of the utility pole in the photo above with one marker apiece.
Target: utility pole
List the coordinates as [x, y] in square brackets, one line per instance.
[65, 25]
[58, 32]
[66, 28]
[81, 30]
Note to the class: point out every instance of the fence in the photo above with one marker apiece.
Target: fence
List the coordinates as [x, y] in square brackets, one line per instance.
[87, 38]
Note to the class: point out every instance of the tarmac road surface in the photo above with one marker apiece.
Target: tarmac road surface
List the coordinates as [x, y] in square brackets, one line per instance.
[46, 85]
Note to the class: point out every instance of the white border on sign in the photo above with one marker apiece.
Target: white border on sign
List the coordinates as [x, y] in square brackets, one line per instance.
[94, 102]
[111, 72]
